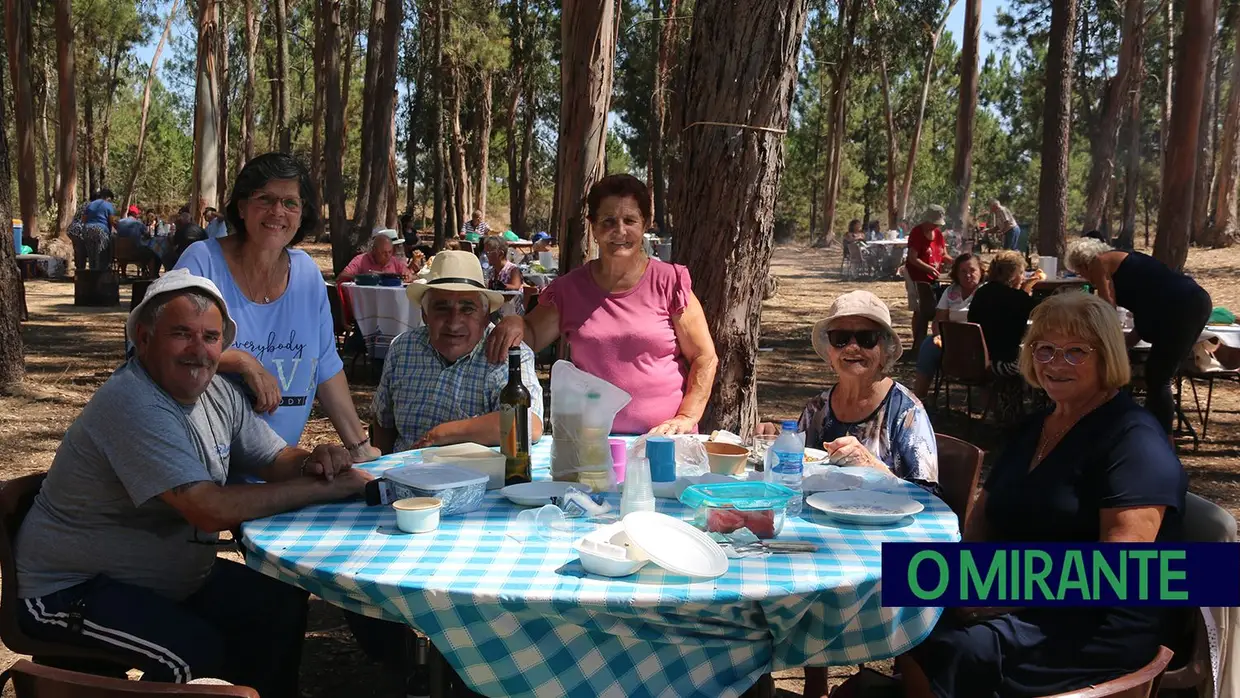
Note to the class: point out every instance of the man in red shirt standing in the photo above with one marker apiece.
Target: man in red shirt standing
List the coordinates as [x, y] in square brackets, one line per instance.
[926, 247]
[926, 250]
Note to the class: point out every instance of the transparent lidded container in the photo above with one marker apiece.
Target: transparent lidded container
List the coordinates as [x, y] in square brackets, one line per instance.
[726, 507]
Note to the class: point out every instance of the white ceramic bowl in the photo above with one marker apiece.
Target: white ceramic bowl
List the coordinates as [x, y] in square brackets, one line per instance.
[417, 514]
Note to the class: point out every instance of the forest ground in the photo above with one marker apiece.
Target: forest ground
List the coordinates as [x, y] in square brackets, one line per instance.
[71, 351]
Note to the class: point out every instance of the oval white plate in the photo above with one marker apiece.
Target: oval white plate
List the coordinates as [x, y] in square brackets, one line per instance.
[675, 545]
[536, 494]
[864, 507]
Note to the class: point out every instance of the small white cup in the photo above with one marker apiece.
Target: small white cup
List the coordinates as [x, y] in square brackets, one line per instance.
[417, 514]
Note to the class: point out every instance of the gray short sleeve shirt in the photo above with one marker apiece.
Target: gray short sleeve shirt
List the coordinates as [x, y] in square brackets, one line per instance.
[100, 512]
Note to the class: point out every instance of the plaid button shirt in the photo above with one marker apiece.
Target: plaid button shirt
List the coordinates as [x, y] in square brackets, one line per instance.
[419, 390]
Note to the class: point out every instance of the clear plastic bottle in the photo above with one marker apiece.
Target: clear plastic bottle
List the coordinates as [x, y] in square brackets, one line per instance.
[785, 463]
[594, 451]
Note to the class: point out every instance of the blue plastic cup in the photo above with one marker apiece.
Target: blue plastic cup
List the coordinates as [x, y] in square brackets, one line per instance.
[661, 452]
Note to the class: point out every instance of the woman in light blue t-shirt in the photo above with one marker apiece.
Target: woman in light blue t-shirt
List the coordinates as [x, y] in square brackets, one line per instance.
[285, 348]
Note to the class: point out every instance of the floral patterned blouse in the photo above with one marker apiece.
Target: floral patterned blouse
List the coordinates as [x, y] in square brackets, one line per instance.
[898, 433]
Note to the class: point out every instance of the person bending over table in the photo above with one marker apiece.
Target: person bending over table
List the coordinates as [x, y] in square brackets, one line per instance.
[1095, 468]
[953, 306]
[628, 319]
[379, 257]
[286, 340]
[437, 387]
[124, 532]
[542, 243]
[927, 249]
[1169, 310]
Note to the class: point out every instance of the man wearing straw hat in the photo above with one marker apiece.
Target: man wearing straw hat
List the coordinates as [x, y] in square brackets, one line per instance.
[437, 387]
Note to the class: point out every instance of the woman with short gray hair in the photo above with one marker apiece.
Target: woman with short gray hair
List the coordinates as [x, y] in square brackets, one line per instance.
[1169, 310]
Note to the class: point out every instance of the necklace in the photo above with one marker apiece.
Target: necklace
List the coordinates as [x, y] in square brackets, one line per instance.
[1044, 446]
[253, 289]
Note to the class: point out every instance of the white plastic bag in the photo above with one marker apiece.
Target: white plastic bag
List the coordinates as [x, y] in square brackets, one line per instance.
[691, 458]
[571, 438]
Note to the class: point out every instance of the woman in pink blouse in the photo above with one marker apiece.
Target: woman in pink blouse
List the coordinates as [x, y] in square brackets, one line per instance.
[628, 319]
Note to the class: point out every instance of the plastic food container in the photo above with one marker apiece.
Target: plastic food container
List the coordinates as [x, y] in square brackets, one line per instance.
[472, 457]
[417, 514]
[459, 489]
[726, 507]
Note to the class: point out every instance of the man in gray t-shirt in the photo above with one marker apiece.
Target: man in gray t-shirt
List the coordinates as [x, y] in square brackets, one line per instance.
[119, 548]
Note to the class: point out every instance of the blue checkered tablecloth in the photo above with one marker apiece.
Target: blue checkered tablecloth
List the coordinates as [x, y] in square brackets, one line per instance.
[516, 615]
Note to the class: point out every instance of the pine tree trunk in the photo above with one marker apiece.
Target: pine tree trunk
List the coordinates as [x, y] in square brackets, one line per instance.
[1179, 175]
[1132, 169]
[1102, 167]
[725, 224]
[516, 77]
[527, 168]
[49, 174]
[835, 135]
[146, 105]
[374, 49]
[382, 117]
[1226, 227]
[915, 142]
[18, 33]
[460, 171]
[1168, 81]
[221, 47]
[252, 28]
[282, 104]
[12, 358]
[588, 40]
[893, 211]
[441, 233]
[318, 55]
[484, 144]
[1056, 126]
[114, 62]
[333, 136]
[346, 58]
[90, 182]
[205, 171]
[66, 135]
[966, 115]
[1199, 226]
[658, 116]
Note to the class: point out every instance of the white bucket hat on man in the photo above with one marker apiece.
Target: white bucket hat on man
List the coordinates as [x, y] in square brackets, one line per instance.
[180, 280]
[455, 270]
[387, 233]
[855, 304]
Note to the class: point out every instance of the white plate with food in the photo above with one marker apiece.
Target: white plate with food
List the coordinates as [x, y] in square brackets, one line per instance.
[816, 456]
[865, 507]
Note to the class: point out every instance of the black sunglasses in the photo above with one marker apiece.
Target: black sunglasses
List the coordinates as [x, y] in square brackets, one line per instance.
[866, 339]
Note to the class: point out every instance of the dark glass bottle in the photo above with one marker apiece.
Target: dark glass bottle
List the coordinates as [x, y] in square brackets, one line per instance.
[514, 423]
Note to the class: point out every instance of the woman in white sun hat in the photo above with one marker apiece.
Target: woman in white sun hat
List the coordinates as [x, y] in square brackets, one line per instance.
[867, 418]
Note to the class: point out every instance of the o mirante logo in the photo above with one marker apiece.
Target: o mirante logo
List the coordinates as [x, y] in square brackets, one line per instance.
[1061, 574]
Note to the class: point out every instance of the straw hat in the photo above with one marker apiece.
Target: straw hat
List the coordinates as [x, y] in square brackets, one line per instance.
[180, 280]
[935, 214]
[854, 304]
[455, 270]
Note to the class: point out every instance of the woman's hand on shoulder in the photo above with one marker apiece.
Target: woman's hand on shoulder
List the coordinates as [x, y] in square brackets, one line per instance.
[508, 333]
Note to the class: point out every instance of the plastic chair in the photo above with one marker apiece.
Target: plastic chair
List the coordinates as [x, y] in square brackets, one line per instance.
[960, 467]
[33, 681]
[16, 497]
[1141, 683]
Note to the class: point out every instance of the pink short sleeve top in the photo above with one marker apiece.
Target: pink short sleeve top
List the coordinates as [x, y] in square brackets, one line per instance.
[627, 338]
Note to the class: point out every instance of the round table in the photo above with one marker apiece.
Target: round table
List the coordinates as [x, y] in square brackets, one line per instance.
[381, 312]
[518, 616]
[889, 253]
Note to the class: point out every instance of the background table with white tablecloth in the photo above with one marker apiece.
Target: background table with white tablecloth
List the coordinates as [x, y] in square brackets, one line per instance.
[381, 313]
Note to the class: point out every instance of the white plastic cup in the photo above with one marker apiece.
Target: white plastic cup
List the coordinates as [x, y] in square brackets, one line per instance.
[417, 514]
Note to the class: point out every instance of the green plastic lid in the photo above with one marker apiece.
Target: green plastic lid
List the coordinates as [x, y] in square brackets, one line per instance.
[472, 237]
[1222, 316]
[737, 495]
[511, 236]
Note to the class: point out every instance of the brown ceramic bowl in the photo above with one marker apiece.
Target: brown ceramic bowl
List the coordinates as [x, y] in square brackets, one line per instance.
[725, 458]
